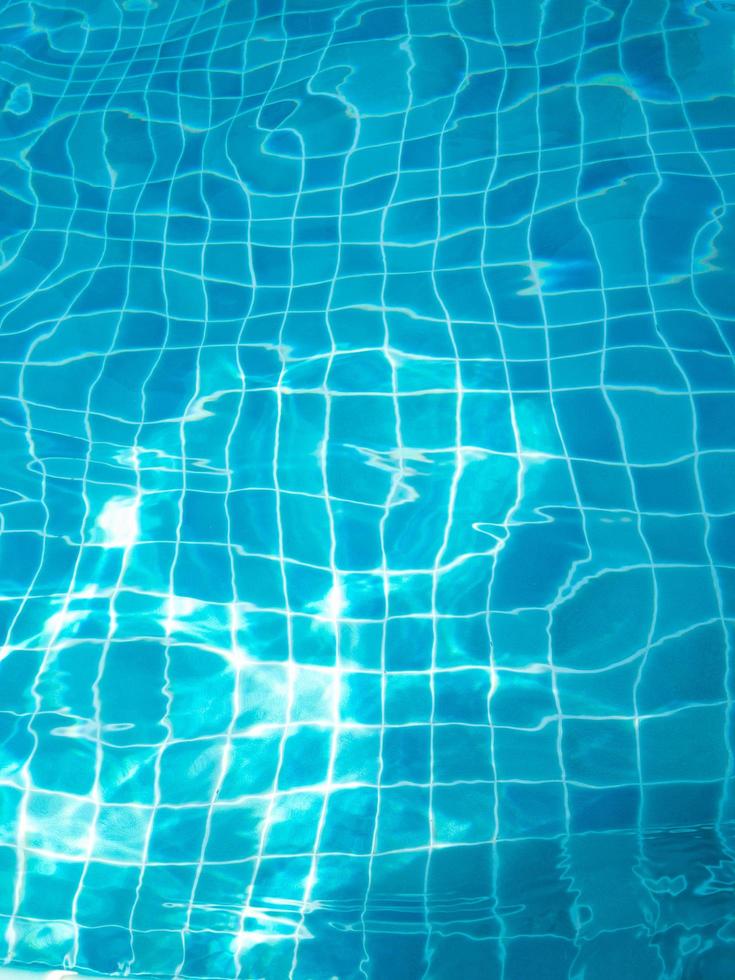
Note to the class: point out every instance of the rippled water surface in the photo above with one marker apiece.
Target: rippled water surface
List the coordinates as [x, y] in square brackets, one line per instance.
[367, 499]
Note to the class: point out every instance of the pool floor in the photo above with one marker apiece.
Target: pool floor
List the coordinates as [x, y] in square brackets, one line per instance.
[367, 515]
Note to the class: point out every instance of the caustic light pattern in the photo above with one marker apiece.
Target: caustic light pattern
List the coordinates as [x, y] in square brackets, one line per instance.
[368, 488]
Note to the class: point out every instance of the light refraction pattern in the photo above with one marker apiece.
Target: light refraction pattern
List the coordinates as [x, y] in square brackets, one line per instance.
[368, 491]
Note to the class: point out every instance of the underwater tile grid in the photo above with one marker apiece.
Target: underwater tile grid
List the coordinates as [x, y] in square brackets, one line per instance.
[367, 504]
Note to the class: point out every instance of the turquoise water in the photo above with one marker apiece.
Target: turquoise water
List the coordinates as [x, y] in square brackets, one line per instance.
[368, 499]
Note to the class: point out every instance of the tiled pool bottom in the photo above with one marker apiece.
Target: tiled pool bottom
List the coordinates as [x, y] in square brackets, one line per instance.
[368, 500]
[593, 906]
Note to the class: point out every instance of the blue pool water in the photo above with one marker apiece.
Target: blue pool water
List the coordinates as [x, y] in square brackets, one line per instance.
[367, 505]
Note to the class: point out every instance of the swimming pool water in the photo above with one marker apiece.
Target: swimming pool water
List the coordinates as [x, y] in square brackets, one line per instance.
[368, 490]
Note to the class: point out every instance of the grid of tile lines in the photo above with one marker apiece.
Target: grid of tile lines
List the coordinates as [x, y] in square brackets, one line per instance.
[367, 516]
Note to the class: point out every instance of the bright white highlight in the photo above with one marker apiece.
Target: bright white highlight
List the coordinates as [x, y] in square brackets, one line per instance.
[119, 522]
